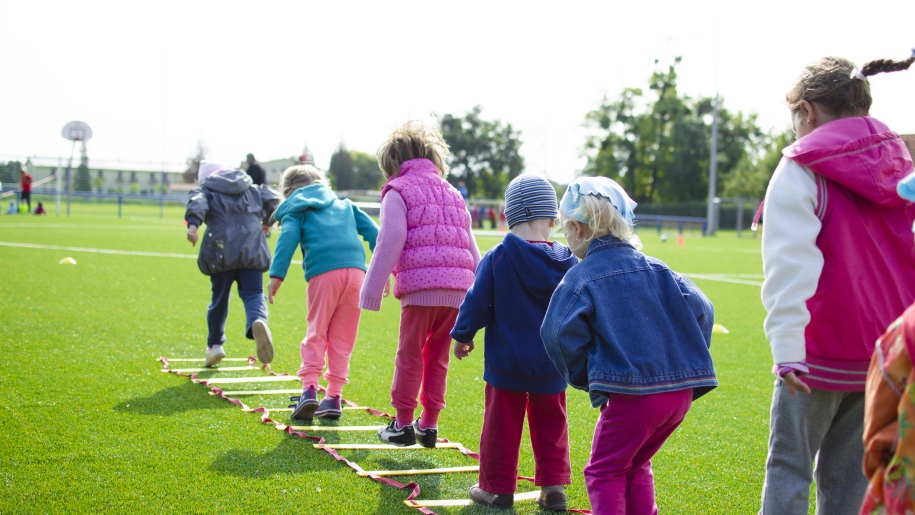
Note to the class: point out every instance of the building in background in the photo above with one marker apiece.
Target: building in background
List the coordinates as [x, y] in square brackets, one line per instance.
[136, 178]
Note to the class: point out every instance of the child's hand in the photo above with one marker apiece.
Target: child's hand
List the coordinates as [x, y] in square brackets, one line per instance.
[462, 350]
[192, 235]
[266, 229]
[794, 383]
[387, 288]
[273, 287]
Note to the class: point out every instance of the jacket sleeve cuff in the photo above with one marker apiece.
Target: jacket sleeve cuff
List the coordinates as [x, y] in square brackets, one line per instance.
[370, 303]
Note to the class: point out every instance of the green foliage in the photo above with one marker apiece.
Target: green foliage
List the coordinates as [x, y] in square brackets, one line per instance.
[365, 169]
[9, 174]
[341, 172]
[658, 149]
[81, 181]
[751, 176]
[485, 154]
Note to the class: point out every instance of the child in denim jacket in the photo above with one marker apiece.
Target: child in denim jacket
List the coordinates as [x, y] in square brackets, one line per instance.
[631, 332]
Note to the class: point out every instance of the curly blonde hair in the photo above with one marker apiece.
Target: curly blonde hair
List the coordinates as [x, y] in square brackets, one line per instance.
[413, 140]
[299, 176]
[601, 216]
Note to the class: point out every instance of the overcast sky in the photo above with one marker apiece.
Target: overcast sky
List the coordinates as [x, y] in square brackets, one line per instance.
[153, 78]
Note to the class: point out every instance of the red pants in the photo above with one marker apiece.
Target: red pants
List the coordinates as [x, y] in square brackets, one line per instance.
[421, 365]
[500, 441]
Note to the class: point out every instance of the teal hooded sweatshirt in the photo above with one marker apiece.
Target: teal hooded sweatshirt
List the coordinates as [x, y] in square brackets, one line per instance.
[326, 228]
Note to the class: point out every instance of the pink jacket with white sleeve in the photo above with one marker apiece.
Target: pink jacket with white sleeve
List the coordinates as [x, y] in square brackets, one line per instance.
[838, 251]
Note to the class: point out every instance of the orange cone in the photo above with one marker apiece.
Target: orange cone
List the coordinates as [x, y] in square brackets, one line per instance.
[680, 240]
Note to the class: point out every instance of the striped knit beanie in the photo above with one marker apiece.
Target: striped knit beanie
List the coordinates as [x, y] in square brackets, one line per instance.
[527, 198]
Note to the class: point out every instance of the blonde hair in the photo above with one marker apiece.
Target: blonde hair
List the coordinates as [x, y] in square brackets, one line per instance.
[299, 176]
[601, 216]
[831, 82]
[413, 140]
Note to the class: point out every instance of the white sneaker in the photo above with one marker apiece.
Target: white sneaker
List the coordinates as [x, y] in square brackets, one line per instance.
[264, 341]
[214, 355]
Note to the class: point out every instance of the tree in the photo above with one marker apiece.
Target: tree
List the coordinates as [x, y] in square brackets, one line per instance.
[9, 174]
[193, 164]
[82, 182]
[659, 149]
[751, 176]
[485, 154]
[367, 174]
[341, 171]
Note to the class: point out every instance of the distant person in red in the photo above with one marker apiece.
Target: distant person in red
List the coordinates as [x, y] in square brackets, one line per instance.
[258, 176]
[25, 189]
[40, 210]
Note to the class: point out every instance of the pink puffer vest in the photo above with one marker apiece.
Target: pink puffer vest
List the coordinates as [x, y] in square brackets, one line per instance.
[437, 251]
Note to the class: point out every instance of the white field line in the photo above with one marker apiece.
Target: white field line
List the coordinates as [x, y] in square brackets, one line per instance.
[106, 251]
[179, 228]
[734, 279]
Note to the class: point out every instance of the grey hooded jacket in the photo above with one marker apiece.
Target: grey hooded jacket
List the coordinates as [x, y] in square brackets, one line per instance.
[233, 210]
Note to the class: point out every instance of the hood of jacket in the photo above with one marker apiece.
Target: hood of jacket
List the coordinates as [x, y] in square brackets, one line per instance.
[859, 153]
[235, 182]
[313, 196]
[538, 265]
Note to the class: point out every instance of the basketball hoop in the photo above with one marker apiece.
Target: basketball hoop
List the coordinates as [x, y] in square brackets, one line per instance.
[76, 131]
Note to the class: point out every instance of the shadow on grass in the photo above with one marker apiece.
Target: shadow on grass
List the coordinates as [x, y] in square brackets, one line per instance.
[186, 397]
[286, 458]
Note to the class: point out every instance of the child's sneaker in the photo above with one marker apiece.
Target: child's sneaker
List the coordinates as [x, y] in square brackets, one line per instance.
[553, 498]
[500, 501]
[403, 437]
[264, 341]
[214, 355]
[329, 408]
[426, 437]
[308, 403]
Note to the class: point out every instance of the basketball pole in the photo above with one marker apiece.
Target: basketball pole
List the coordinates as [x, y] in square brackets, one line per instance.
[67, 176]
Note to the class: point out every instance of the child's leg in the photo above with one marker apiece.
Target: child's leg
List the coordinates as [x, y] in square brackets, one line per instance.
[342, 332]
[840, 483]
[251, 291]
[630, 430]
[549, 428]
[321, 301]
[798, 425]
[408, 364]
[436, 352]
[500, 440]
[218, 310]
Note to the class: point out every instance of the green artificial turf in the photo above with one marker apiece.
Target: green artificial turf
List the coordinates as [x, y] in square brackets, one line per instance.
[92, 425]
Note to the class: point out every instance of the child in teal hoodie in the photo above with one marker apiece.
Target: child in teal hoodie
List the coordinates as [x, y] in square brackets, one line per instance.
[327, 229]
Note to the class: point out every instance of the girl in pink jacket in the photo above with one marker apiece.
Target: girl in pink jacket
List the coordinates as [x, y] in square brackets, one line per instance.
[838, 269]
[425, 240]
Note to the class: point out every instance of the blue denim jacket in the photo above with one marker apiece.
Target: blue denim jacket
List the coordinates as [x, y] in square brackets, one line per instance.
[622, 322]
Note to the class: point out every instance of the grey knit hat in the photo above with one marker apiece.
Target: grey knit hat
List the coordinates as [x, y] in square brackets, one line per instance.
[527, 198]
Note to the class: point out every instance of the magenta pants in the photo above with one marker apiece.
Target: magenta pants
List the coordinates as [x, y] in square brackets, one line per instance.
[500, 441]
[333, 322]
[630, 430]
[421, 365]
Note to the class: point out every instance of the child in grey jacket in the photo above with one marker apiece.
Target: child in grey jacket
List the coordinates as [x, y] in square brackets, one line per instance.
[234, 250]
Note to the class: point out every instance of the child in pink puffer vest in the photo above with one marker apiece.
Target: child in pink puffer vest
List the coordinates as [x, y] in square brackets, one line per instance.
[425, 240]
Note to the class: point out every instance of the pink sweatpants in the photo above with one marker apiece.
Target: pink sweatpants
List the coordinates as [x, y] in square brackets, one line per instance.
[421, 365]
[333, 322]
[500, 441]
[630, 430]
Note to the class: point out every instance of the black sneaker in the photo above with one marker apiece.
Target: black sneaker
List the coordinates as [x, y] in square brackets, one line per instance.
[426, 437]
[499, 501]
[553, 498]
[403, 437]
[306, 405]
[329, 408]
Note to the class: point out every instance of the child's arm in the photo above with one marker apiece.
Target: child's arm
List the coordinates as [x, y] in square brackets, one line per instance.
[477, 309]
[567, 335]
[391, 239]
[699, 303]
[792, 262]
[366, 227]
[269, 201]
[290, 237]
[195, 213]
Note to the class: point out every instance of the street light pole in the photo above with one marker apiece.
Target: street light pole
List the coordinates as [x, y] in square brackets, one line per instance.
[711, 218]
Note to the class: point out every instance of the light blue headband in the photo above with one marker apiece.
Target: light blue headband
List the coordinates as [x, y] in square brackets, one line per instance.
[906, 187]
[602, 187]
